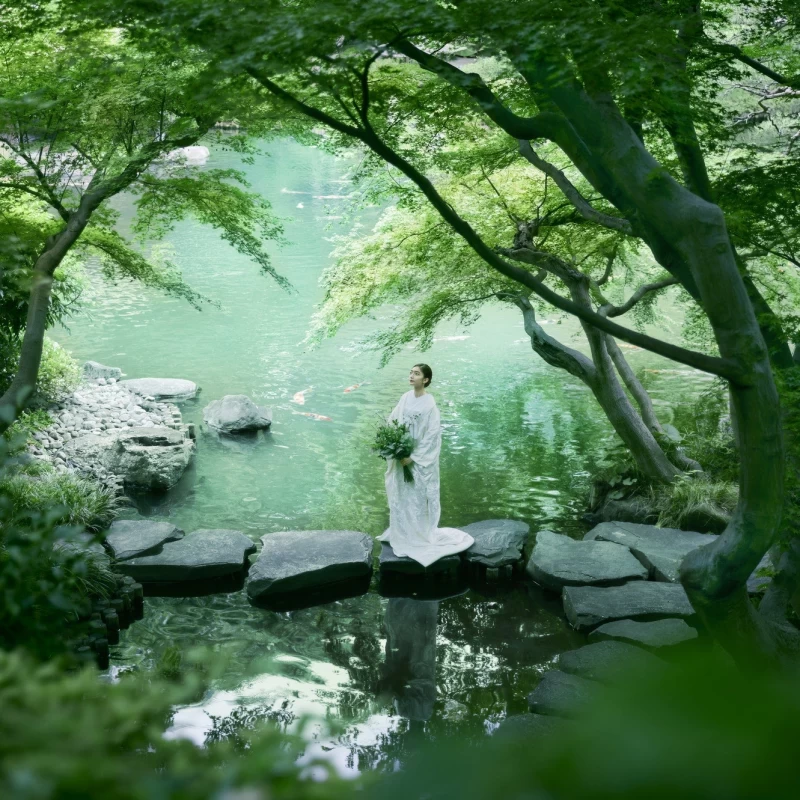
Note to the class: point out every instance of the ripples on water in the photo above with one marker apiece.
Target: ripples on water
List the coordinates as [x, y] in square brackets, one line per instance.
[519, 439]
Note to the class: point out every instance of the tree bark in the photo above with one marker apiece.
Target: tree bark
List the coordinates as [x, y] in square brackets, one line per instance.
[598, 374]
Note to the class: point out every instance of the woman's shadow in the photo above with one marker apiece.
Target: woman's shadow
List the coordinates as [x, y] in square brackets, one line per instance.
[409, 672]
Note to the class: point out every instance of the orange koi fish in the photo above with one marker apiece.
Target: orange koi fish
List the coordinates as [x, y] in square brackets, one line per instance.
[300, 397]
[312, 415]
[354, 387]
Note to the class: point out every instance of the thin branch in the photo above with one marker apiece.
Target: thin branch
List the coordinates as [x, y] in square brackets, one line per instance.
[609, 310]
[736, 52]
[571, 193]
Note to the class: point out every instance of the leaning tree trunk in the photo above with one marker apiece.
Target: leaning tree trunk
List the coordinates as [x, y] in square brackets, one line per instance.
[645, 403]
[57, 246]
[598, 374]
[714, 576]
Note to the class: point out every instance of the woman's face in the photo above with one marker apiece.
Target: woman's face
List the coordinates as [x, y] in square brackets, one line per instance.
[416, 378]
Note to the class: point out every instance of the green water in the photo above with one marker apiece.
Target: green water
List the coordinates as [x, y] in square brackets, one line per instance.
[519, 439]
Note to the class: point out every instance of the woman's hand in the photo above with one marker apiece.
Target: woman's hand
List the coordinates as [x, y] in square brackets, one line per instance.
[406, 461]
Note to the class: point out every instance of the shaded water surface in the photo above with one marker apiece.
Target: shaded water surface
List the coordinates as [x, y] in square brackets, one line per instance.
[519, 440]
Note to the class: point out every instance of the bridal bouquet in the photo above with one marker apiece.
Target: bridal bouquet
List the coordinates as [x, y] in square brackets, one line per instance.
[394, 440]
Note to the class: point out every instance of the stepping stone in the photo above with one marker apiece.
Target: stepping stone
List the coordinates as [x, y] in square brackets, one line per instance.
[129, 538]
[202, 554]
[390, 564]
[560, 694]
[654, 635]
[301, 561]
[498, 542]
[661, 550]
[589, 606]
[172, 389]
[607, 662]
[559, 561]
[523, 725]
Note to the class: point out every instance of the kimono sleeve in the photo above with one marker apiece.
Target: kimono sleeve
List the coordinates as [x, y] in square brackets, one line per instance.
[429, 441]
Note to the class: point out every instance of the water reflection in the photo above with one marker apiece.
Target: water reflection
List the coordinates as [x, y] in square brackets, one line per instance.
[409, 671]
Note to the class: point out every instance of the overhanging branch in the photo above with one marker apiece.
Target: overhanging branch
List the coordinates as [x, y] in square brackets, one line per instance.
[585, 209]
[729, 369]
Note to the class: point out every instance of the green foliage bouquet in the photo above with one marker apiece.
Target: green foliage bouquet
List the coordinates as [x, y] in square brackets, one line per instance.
[394, 440]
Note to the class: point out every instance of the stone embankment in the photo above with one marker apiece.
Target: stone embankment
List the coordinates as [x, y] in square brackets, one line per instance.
[109, 431]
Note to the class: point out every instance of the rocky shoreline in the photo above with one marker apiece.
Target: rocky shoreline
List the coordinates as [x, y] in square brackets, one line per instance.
[90, 423]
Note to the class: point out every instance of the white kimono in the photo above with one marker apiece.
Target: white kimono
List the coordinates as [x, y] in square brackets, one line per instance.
[414, 508]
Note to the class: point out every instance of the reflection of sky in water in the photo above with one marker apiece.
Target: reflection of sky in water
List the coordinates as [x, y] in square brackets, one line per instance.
[519, 441]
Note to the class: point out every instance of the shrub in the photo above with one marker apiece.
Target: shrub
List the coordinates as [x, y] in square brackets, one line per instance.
[71, 500]
[20, 434]
[47, 572]
[59, 374]
[71, 735]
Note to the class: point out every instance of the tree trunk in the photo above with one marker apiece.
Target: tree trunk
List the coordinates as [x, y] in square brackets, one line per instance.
[599, 375]
[19, 392]
[642, 398]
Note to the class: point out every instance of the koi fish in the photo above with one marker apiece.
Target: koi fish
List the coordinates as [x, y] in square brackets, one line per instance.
[300, 397]
[312, 415]
[354, 387]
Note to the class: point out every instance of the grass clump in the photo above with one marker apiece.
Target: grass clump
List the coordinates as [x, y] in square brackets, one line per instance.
[690, 500]
[73, 500]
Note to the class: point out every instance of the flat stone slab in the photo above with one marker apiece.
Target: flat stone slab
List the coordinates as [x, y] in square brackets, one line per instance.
[653, 635]
[559, 561]
[589, 606]
[202, 554]
[498, 542]
[129, 538]
[661, 550]
[162, 388]
[389, 563]
[295, 561]
[607, 662]
[560, 694]
[524, 725]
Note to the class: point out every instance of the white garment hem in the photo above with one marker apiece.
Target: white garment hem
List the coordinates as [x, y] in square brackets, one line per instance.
[452, 541]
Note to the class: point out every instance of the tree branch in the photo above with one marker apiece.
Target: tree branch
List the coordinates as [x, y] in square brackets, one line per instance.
[571, 193]
[609, 310]
[736, 52]
[538, 127]
[550, 349]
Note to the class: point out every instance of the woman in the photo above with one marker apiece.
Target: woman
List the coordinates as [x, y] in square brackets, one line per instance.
[414, 508]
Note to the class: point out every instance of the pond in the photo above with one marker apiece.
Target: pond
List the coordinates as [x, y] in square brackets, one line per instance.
[519, 441]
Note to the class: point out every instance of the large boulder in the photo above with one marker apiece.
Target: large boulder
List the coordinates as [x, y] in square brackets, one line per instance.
[173, 389]
[129, 538]
[661, 550]
[293, 562]
[498, 542]
[608, 662]
[559, 561]
[92, 370]
[145, 458]
[151, 458]
[202, 555]
[236, 413]
[655, 635]
[589, 606]
[560, 694]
